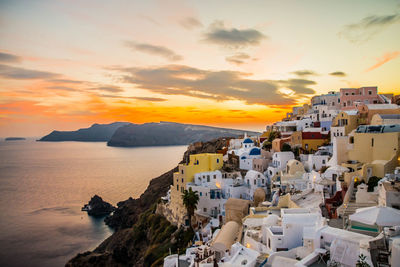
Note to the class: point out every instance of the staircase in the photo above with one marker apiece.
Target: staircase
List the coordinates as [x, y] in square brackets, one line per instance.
[349, 205]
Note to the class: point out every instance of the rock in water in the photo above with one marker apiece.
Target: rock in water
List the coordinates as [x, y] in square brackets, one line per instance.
[98, 207]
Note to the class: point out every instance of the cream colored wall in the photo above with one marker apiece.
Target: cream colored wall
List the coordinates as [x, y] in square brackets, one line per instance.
[382, 157]
[385, 146]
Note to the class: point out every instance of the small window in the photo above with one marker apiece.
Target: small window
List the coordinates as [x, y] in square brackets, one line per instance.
[205, 209]
[323, 161]
[208, 178]
[182, 171]
[201, 193]
[217, 160]
[215, 176]
[182, 180]
[177, 187]
[370, 92]
[255, 182]
[262, 181]
[351, 139]
[182, 189]
[372, 142]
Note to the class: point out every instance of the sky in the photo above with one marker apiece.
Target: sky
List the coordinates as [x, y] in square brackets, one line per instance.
[239, 64]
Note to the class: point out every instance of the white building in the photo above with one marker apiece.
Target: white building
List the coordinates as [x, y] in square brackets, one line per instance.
[279, 161]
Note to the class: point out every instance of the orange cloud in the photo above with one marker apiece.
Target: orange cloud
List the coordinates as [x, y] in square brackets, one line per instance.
[382, 60]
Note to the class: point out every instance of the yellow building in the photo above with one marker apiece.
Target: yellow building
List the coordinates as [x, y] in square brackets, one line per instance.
[311, 141]
[374, 151]
[345, 122]
[197, 163]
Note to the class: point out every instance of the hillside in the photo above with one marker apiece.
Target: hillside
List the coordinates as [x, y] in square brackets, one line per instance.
[168, 133]
[95, 133]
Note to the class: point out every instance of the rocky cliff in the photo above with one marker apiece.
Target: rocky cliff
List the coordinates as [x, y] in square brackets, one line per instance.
[143, 238]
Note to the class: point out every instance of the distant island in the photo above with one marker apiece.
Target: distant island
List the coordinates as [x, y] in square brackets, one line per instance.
[14, 138]
[95, 133]
[124, 134]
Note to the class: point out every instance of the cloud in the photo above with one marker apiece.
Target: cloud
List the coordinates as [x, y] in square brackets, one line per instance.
[338, 73]
[232, 37]
[190, 23]
[384, 59]
[303, 73]
[108, 88]
[62, 88]
[238, 58]
[142, 98]
[154, 50]
[10, 72]
[216, 85]
[5, 57]
[65, 81]
[368, 27]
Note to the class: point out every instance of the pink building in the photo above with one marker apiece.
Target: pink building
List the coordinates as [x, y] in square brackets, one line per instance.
[350, 97]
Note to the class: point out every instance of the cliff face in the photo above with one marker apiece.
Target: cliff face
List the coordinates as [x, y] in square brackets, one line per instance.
[167, 133]
[95, 133]
[143, 238]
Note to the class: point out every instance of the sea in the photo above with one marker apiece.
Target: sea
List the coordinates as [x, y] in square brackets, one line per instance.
[43, 186]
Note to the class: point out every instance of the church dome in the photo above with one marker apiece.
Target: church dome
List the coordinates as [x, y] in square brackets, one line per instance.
[248, 141]
[255, 152]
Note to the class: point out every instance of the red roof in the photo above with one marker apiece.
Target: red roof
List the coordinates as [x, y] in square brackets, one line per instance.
[314, 135]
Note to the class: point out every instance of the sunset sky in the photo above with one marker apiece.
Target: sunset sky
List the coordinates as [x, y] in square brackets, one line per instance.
[240, 64]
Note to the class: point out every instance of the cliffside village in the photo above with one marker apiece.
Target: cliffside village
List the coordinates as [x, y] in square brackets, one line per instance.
[319, 188]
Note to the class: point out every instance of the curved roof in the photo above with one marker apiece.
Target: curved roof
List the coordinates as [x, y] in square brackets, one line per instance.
[226, 236]
[248, 141]
[255, 151]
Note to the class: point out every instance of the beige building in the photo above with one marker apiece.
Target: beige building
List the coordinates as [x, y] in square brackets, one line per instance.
[198, 163]
[345, 122]
[381, 119]
[236, 209]
[373, 151]
[366, 111]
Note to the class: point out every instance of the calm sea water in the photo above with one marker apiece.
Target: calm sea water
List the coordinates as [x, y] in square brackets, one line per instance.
[43, 186]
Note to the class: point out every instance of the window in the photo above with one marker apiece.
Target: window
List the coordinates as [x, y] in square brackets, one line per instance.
[177, 187]
[182, 180]
[182, 189]
[201, 193]
[344, 104]
[208, 178]
[248, 181]
[351, 139]
[352, 93]
[347, 93]
[205, 209]
[369, 92]
[269, 242]
[372, 142]
[255, 182]
[217, 160]
[215, 176]
[262, 181]
[182, 171]
[323, 161]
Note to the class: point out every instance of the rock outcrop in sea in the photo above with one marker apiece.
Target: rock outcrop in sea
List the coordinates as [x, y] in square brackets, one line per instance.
[98, 207]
